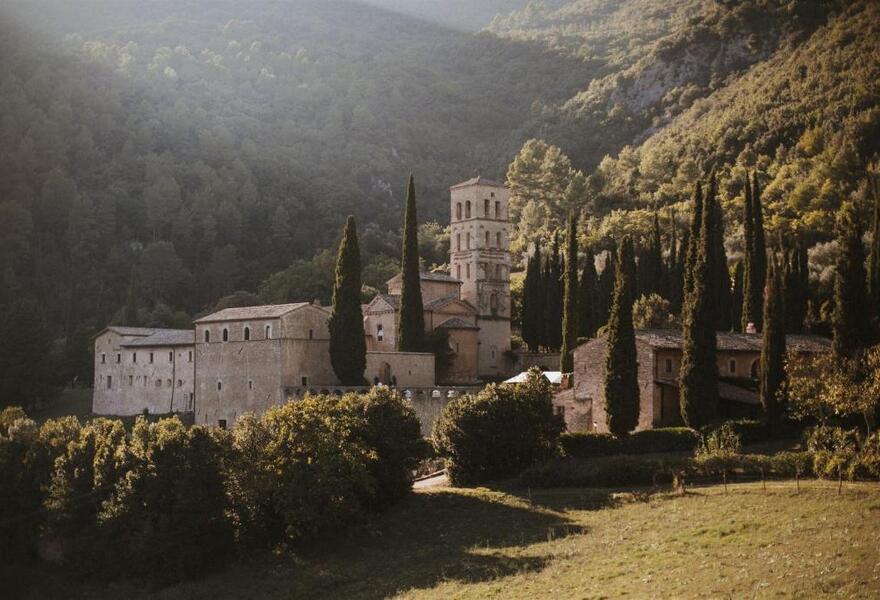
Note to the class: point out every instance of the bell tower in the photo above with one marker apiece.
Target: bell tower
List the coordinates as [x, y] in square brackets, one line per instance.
[479, 256]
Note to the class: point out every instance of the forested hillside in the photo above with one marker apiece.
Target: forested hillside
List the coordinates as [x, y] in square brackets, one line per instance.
[158, 156]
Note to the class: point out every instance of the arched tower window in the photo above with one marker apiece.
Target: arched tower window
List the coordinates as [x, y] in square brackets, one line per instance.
[268, 332]
[247, 333]
[468, 240]
[486, 207]
[225, 335]
[380, 332]
[458, 271]
[497, 209]
[207, 335]
[467, 209]
[458, 211]
[498, 240]
[487, 239]
[458, 241]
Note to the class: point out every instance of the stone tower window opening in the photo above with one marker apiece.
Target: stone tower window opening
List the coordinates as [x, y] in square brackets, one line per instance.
[468, 270]
[458, 271]
[458, 242]
[247, 334]
[151, 358]
[468, 240]
[311, 334]
[467, 210]
[380, 332]
[487, 239]
[268, 332]
[109, 382]
[486, 207]
[171, 356]
[207, 336]
[219, 386]
[250, 384]
[732, 366]
[103, 358]
[190, 357]
[134, 357]
[225, 334]
[458, 211]
[131, 380]
[118, 357]
[497, 208]
[498, 240]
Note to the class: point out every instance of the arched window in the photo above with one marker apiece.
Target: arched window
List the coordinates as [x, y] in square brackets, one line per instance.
[468, 240]
[207, 335]
[311, 334]
[498, 240]
[458, 271]
[380, 332]
[467, 210]
[486, 207]
[497, 209]
[225, 335]
[468, 270]
[458, 242]
[219, 386]
[487, 239]
[247, 333]
[458, 211]
[268, 332]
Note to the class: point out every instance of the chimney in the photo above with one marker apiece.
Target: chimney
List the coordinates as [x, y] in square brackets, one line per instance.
[750, 328]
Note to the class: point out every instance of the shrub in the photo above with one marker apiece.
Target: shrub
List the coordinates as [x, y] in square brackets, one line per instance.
[497, 432]
[390, 428]
[606, 471]
[587, 445]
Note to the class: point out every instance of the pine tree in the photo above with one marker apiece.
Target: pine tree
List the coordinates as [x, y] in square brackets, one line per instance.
[621, 375]
[773, 347]
[693, 245]
[759, 269]
[570, 298]
[411, 317]
[698, 375]
[850, 301]
[721, 273]
[553, 285]
[533, 302]
[736, 300]
[348, 349]
[587, 301]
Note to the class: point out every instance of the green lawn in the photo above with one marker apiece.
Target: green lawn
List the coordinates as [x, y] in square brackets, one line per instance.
[447, 543]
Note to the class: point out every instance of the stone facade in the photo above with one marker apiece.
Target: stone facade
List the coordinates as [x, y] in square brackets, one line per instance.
[658, 355]
[403, 369]
[479, 256]
[143, 369]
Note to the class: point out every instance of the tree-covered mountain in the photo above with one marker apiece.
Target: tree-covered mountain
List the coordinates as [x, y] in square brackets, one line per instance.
[157, 156]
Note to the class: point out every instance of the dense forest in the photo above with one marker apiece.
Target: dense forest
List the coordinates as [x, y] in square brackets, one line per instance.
[156, 157]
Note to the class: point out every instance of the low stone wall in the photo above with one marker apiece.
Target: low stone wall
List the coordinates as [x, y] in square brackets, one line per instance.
[546, 361]
[427, 401]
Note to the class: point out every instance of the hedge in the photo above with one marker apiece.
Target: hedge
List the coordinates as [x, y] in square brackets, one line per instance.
[649, 441]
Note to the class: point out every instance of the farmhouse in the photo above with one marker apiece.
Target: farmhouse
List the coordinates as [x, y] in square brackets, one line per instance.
[659, 359]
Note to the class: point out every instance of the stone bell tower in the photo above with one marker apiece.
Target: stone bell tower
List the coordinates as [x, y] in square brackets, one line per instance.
[479, 257]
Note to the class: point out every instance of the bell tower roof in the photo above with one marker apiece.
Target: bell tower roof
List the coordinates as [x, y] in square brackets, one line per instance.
[477, 181]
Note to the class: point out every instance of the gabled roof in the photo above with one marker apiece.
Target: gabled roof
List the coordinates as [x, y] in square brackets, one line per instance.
[456, 323]
[393, 300]
[271, 311]
[733, 342]
[430, 276]
[164, 337]
[477, 181]
[438, 303]
[127, 331]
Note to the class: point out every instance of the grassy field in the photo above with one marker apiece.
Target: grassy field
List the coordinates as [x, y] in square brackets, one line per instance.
[447, 543]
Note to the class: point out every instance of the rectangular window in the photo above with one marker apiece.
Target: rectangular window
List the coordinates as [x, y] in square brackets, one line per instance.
[221, 423]
[131, 380]
[118, 357]
[171, 356]
[250, 384]
[109, 382]
[103, 358]
[190, 357]
[732, 366]
[305, 381]
[668, 366]
[467, 269]
[134, 357]
[497, 209]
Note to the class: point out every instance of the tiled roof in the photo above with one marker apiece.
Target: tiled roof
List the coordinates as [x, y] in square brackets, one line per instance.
[438, 303]
[392, 299]
[244, 313]
[726, 391]
[457, 323]
[164, 337]
[124, 330]
[733, 342]
[477, 181]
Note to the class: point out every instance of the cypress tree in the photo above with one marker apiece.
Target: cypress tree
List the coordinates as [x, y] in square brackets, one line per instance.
[621, 377]
[570, 299]
[693, 245]
[588, 297]
[736, 300]
[750, 301]
[760, 252]
[698, 375]
[794, 292]
[411, 316]
[553, 286]
[850, 299]
[533, 302]
[773, 347]
[674, 281]
[606, 289]
[348, 348]
[721, 272]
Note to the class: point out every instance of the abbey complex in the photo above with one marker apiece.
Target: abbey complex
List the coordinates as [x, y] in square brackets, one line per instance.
[248, 359]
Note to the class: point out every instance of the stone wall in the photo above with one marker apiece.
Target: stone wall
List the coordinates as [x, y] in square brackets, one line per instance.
[406, 368]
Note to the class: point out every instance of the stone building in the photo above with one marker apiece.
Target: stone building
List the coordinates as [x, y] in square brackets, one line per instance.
[141, 369]
[659, 359]
[479, 257]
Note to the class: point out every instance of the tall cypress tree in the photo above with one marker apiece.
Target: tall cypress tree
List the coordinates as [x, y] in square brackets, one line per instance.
[759, 250]
[411, 317]
[570, 300]
[736, 300]
[721, 271]
[553, 286]
[348, 348]
[621, 370]
[850, 298]
[698, 375]
[794, 292]
[674, 281]
[693, 245]
[750, 300]
[533, 302]
[588, 293]
[606, 289]
[773, 347]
